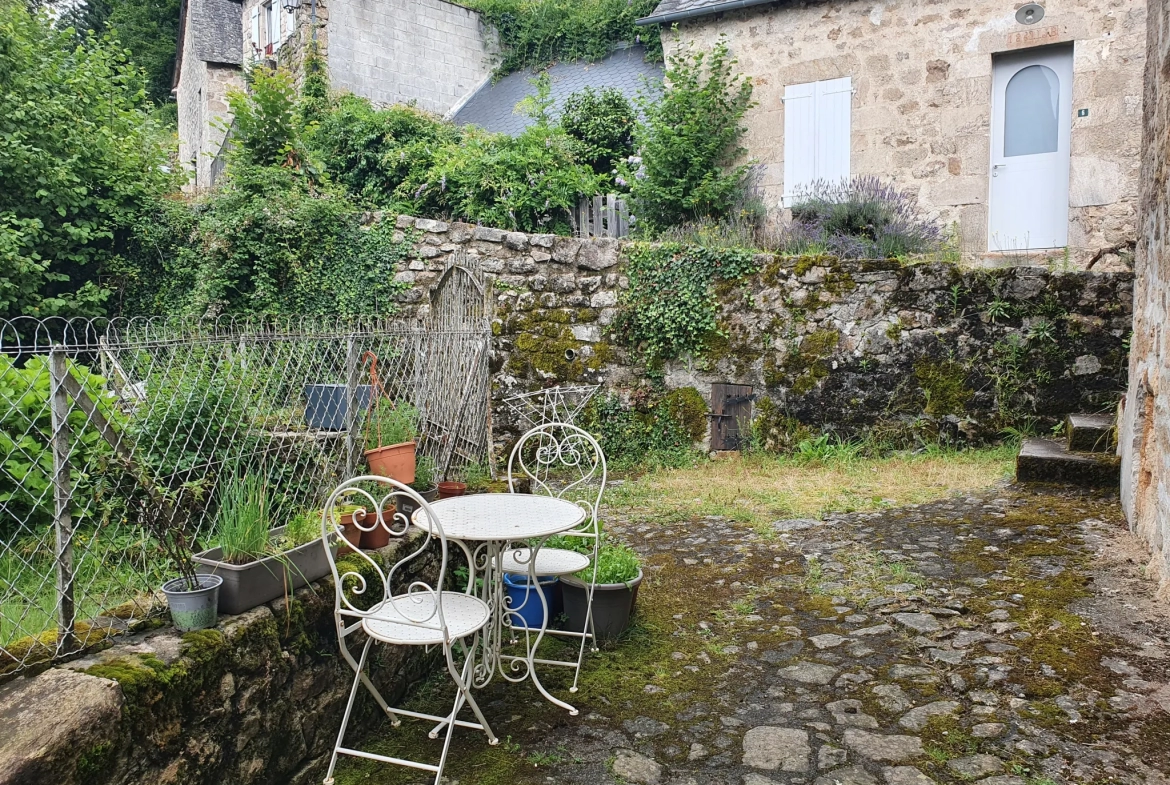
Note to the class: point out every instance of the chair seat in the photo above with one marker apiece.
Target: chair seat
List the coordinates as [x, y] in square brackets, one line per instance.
[392, 621]
[549, 561]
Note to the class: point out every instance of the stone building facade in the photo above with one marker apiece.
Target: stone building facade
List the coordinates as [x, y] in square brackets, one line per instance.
[907, 91]
[209, 64]
[1144, 435]
[432, 53]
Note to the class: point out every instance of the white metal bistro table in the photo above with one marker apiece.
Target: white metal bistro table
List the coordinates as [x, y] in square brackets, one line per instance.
[485, 526]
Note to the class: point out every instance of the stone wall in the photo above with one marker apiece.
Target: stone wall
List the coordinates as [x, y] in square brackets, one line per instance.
[842, 347]
[255, 701]
[922, 106]
[430, 52]
[1145, 420]
[203, 113]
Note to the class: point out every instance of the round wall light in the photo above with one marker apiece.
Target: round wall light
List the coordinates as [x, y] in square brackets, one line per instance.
[1030, 14]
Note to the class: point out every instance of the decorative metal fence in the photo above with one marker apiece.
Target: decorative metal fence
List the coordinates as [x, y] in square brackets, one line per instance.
[105, 422]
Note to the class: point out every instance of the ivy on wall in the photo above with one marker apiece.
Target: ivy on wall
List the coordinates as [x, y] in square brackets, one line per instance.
[670, 307]
[538, 33]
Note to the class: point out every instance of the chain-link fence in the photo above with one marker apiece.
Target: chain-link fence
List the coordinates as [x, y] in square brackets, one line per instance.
[105, 422]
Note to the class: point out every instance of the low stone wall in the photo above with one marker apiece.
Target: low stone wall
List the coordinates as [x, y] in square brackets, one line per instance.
[827, 345]
[257, 700]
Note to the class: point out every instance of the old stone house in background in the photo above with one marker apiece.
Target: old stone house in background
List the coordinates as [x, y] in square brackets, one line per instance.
[432, 53]
[1020, 123]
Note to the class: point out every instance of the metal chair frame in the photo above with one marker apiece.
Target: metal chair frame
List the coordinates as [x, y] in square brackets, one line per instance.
[554, 450]
[419, 616]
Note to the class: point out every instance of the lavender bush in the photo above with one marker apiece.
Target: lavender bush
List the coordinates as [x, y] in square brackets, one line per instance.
[860, 218]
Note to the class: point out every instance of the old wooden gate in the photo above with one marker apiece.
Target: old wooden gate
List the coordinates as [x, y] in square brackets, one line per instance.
[731, 415]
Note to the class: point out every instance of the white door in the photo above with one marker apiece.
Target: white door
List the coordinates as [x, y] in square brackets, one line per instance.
[1031, 121]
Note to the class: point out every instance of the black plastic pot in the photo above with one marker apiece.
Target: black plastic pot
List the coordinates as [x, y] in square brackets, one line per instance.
[325, 405]
[612, 605]
[406, 505]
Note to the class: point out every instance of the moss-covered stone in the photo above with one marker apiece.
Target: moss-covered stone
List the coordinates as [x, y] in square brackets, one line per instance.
[808, 362]
[689, 409]
[944, 383]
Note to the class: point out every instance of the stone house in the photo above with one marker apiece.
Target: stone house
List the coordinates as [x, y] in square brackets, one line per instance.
[432, 53]
[1018, 123]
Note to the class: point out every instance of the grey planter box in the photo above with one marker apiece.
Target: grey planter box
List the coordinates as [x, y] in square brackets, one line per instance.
[246, 586]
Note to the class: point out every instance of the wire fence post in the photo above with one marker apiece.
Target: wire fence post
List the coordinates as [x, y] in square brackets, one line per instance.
[62, 522]
[351, 419]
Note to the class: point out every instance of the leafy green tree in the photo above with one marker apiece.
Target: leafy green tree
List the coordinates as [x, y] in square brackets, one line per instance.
[690, 141]
[602, 123]
[149, 29]
[80, 161]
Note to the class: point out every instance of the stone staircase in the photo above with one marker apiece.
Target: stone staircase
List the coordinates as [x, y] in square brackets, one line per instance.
[1085, 457]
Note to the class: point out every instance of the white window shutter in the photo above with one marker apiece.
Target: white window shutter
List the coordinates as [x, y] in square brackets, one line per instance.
[256, 29]
[799, 138]
[834, 102]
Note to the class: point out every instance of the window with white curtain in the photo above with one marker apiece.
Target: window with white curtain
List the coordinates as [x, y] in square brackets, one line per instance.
[817, 120]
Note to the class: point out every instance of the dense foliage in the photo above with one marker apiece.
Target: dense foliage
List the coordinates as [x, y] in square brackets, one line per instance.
[537, 33]
[670, 308]
[147, 29]
[860, 218]
[653, 426]
[80, 161]
[688, 146]
[602, 124]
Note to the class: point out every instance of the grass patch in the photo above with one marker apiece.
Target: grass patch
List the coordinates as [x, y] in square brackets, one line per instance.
[862, 574]
[757, 489]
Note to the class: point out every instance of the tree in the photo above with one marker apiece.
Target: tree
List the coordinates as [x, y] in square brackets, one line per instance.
[80, 161]
[603, 124]
[690, 141]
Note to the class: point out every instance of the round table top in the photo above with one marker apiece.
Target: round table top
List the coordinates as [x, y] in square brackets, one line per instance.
[504, 516]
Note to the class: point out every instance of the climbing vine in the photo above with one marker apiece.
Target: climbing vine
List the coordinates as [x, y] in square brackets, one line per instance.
[538, 33]
[670, 306]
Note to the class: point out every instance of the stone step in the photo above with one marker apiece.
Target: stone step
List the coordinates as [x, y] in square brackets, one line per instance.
[1090, 432]
[1049, 460]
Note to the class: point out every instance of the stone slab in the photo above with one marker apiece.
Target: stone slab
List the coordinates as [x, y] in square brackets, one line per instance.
[1048, 460]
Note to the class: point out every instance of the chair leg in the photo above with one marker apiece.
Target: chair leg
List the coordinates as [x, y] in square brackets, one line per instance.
[357, 679]
[461, 683]
[395, 720]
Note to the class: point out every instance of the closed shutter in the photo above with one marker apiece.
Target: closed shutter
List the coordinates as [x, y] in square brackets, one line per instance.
[817, 123]
[255, 30]
[799, 138]
[834, 104]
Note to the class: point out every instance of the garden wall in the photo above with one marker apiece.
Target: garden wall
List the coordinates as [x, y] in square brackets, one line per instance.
[256, 700]
[829, 346]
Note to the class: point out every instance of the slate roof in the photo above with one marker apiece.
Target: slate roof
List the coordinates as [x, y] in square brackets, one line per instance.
[671, 10]
[492, 107]
[217, 32]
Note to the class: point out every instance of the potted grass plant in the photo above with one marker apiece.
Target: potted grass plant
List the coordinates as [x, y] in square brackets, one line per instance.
[615, 588]
[390, 434]
[256, 562]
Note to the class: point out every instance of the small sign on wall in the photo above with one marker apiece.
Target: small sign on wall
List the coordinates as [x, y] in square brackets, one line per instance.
[1039, 37]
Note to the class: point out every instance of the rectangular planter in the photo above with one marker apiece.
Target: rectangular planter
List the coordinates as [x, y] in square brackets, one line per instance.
[246, 586]
[326, 405]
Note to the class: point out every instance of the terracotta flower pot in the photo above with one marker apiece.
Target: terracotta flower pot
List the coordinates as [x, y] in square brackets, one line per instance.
[379, 536]
[451, 488]
[351, 533]
[395, 461]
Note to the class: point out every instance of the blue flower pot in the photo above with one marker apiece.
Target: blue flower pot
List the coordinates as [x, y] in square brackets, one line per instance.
[524, 605]
[325, 405]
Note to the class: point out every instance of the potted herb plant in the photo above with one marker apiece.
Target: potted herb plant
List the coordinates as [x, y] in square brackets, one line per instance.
[193, 599]
[424, 484]
[615, 587]
[390, 434]
[258, 563]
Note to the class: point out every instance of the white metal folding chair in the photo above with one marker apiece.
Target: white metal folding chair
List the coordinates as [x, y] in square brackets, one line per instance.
[419, 613]
[565, 461]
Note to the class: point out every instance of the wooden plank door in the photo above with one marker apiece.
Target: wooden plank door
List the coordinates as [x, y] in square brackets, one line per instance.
[731, 410]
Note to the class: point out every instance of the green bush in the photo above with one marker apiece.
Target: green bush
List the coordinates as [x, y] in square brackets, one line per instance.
[688, 146]
[26, 455]
[652, 428]
[267, 131]
[602, 123]
[80, 161]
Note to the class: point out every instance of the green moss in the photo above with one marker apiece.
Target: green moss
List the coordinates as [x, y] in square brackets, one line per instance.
[689, 409]
[838, 282]
[894, 332]
[804, 264]
[93, 763]
[945, 385]
[775, 431]
[808, 362]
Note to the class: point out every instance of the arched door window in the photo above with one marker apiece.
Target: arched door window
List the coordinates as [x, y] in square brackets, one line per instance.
[1031, 104]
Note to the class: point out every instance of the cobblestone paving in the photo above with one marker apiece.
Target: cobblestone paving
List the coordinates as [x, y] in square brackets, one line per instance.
[995, 639]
